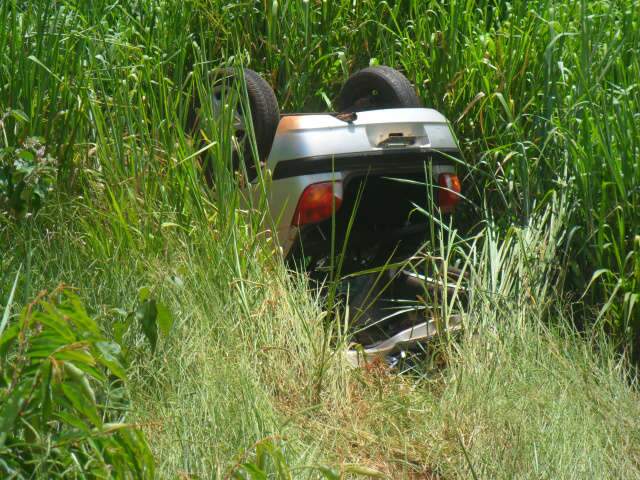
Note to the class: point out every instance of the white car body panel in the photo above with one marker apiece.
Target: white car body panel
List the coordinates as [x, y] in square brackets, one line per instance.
[324, 139]
[302, 136]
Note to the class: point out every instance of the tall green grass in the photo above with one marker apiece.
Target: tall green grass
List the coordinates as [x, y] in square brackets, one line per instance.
[521, 394]
[544, 97]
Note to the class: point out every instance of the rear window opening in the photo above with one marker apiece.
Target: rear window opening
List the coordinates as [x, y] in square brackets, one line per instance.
[386, 202]
[386, 207]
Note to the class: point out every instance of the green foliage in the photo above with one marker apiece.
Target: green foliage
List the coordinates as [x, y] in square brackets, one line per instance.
[543, 95]
[62, 396]
[149, 315]
[27, 176]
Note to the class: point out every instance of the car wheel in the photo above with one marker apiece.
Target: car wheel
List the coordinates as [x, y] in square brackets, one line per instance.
[377, 87]
[265, 116]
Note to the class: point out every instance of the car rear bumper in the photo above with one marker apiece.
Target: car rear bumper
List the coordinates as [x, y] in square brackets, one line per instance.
[375, 131]
[377, 161]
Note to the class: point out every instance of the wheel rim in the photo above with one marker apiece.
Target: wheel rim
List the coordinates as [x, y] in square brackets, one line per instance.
[219, 99]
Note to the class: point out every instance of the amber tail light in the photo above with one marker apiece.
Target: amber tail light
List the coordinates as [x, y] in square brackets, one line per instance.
[317, 203]
[449, 192]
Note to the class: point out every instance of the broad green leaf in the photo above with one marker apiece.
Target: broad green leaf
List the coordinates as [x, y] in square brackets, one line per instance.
[29, 157]
[144, 293]
[137, 450]
[109, 356]
[73, 307]
[146, 315]
[81, 402]
[46, 392]
[80, 359]
[52, 319]
[7, 338]
[72, 419]
[119, 329]
[164, 318]
[255, 473]
[81, 380]
[10, 408]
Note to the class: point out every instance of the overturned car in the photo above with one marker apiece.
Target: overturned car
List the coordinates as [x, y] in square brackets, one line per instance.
[349, 190]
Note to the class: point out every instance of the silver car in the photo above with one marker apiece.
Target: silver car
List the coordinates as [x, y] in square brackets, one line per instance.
[315, 153]
[348, 192]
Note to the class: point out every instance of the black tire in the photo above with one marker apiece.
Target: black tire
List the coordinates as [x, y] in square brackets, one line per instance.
[265, 116]
[265, 113]
[377, 87]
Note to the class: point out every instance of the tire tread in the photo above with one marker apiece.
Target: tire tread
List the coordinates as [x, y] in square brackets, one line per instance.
[394, 87]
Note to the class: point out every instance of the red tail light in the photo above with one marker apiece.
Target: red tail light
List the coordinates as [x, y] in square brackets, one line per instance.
[317, 203]
[449, 192]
